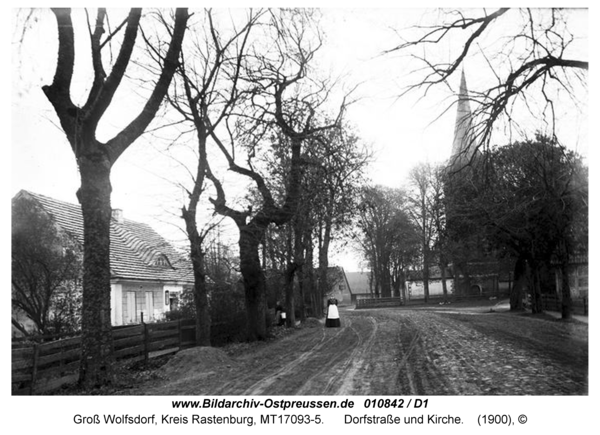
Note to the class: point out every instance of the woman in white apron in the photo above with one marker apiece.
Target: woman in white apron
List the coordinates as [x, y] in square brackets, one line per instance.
[333, 315]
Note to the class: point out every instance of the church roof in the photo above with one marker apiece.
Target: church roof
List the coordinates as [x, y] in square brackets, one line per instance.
[137, 252]
[463, 146]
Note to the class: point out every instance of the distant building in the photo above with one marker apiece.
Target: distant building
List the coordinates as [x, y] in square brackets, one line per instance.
[415, 289]
[147, 274]
[338, 285]
[578, 276]
[358, 283]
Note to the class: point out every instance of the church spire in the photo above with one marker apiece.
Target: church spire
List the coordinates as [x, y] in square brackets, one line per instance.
[461, 144]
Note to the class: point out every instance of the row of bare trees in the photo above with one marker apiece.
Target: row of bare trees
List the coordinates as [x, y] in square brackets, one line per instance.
[243, 84]
[404, 229]
[523, 205]
[251, 91]
[333, 172]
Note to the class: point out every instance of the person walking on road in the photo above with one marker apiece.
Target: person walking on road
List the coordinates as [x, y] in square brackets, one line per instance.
[333, 315]
[279, 314]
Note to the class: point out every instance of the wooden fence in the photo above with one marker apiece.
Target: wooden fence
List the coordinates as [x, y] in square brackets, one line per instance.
[42, 367]
[549, 302]
[554, 303]
[378, 302]
[374, 302]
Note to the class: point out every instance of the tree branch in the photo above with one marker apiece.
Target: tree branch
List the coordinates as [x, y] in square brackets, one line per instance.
[119, 143]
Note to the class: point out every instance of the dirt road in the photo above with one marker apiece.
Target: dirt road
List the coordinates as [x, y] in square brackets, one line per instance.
[437, 350]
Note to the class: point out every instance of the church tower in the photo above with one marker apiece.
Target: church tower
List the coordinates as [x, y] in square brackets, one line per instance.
[462, 146]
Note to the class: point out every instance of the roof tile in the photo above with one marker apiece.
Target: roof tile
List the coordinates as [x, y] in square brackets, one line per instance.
[134, 247]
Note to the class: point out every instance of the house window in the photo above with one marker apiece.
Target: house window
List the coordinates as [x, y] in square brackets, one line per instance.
[150, 305]
[130, 307]
[174, 301]
[162, 261]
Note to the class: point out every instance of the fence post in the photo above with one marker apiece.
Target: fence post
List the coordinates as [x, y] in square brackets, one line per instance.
[558, 303]
[146, 341]
[36, 353]
[180, 333]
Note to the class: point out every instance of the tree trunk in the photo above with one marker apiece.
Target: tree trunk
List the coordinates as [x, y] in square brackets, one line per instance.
[290, 309]
[203, 319]
[94, 197]
[565, 291]
[324, 265]
[309, 277]
[516, 292]
[395, 277]
[425, 274]
[254, 281]
[301, 288]
[197, 254]
[403, 288]
[536, 292]
[374, 281]
[386, 285]
[565, 285]
[295, 269]
[443, 276]
[323, 286]
[425, 243]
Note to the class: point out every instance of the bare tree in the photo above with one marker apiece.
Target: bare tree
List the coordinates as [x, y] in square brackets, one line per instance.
[334, 164]
[529, 52]
[206, 93]
[339, 178]
[421, 178]
[436, 205]
[95, 159]
[389, 237]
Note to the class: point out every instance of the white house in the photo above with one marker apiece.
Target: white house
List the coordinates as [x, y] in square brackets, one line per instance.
[147, 273]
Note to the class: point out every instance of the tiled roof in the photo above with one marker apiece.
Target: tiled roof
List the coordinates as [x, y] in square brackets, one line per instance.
[134, 247]
[358, 282]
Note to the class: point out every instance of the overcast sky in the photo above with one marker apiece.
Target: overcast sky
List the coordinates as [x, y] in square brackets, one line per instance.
[402, 132]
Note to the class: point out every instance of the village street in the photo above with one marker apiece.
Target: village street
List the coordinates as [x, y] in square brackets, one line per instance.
[433, 350]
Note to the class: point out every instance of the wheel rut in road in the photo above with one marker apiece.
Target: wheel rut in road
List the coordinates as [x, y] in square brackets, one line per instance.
[336, 375]
[262, 370]
[269, 385]
[325, 368]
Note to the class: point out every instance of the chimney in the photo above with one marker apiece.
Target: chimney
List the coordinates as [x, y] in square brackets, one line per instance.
[117, 215]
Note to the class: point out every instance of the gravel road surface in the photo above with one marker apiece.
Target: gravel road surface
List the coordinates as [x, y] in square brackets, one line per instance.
[427, 350]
